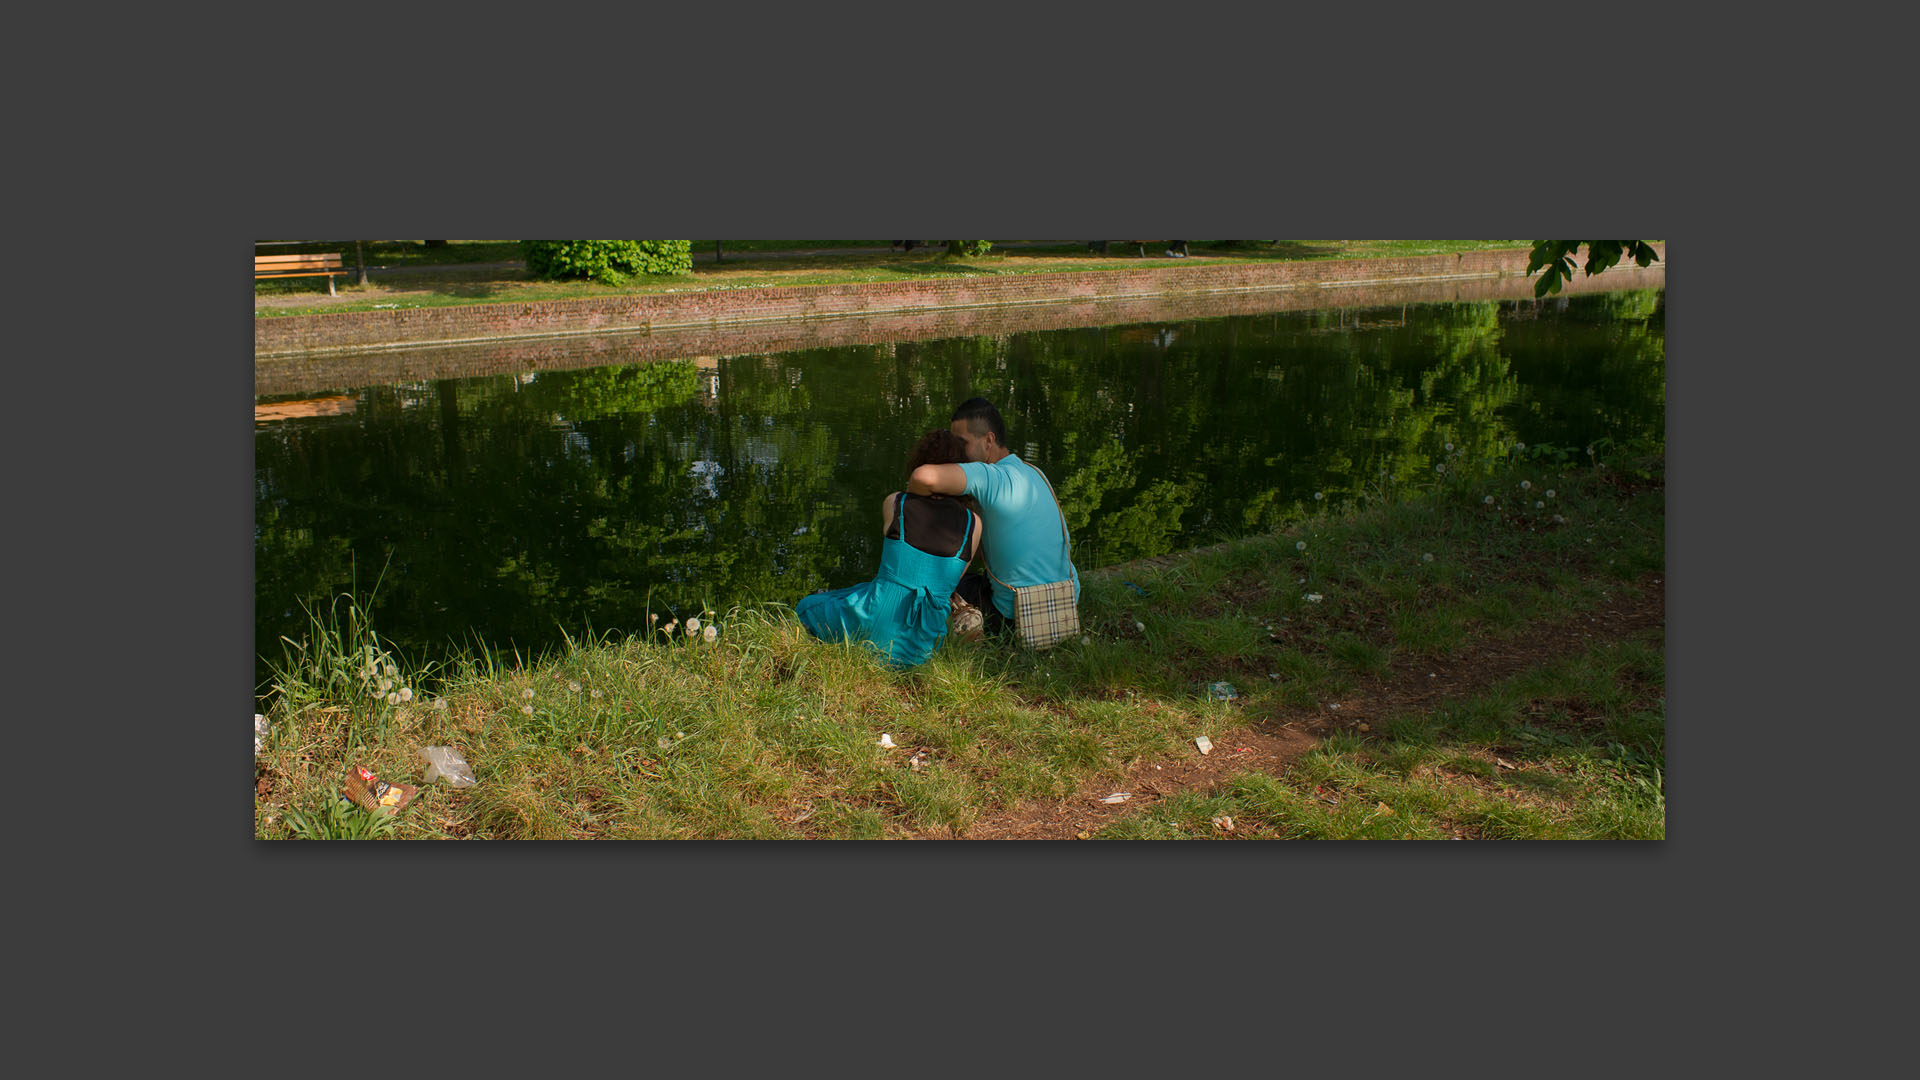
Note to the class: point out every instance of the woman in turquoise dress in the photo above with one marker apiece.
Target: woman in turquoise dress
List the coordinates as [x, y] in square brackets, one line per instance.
[928, 540]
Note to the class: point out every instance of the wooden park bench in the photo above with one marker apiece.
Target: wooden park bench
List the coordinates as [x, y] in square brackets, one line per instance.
[279, 266]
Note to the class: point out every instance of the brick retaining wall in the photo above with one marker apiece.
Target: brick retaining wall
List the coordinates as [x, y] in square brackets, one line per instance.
[312, 352]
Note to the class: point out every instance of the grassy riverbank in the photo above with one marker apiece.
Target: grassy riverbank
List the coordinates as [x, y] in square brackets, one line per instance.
[1426, 664]
[467, 272]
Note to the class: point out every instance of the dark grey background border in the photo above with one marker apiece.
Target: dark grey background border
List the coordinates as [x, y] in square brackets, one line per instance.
[1311, 129]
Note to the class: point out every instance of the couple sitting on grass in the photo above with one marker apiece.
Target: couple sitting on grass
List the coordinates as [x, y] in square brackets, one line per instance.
[966, 494]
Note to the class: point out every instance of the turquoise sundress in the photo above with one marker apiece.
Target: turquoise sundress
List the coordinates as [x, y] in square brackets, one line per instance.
[903, 611]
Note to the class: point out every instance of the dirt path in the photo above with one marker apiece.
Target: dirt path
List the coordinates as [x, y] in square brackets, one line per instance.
[1274, 737]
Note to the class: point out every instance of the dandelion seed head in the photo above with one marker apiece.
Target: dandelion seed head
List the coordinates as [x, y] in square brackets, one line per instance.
[573, 687]
[406, 693]
[1488, 500]
[1300, 545]
[527, 693]
[1140, 627]
[1538, 505]
[710, 633]
[1526, 485]
[693, 626]
[1428, 557]
[1449, 448]
[528, 709]
[440, 703]
[597, 695]
[1319, 495]
[1549, 493]
[393, 699]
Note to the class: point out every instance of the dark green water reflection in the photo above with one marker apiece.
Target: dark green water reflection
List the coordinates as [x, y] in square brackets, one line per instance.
[506, 508]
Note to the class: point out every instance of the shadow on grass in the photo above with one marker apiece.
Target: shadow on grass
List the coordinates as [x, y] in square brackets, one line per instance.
[1132, 251]
[493, 286]
[1288, 249]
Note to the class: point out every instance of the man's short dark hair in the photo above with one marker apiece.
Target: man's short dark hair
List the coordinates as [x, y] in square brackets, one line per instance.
[982, 417]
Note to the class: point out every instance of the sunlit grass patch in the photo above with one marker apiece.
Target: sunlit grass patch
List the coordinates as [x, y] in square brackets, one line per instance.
[1072, 752]
[935, 796]
[1354, 812]
[1498, 819]
[1125, 733]
[1017, 779]
[702, 803]
[1183, 816]
[838, 820]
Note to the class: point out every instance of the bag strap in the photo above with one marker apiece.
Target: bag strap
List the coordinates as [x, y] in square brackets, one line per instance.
[1065, 548]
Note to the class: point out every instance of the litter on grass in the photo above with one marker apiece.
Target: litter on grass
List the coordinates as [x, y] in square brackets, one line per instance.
[445, 763]
[376, 795]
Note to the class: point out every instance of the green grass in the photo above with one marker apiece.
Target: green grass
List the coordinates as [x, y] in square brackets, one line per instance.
[1446, 774]
[449, 279]
[767, 733]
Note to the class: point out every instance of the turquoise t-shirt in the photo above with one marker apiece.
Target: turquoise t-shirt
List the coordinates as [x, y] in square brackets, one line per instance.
[1023, 539]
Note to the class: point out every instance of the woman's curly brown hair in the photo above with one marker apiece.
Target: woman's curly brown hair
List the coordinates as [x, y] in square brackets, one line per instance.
[937, 447]
[941, 447]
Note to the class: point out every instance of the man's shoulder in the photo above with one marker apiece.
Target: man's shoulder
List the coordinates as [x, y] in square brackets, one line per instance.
[1008, 468]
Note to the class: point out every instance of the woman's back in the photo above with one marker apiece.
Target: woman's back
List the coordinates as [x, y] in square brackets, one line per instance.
[935, 524]
[903, 611]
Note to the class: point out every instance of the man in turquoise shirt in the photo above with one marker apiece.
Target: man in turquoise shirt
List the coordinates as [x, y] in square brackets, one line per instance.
[1025, 538]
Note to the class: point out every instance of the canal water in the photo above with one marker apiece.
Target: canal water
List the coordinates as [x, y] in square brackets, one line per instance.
[510, 509]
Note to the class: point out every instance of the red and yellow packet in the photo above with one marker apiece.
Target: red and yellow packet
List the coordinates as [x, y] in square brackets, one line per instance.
[376, 795]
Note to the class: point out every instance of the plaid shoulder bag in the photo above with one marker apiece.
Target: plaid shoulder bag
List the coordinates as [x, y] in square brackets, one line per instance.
[1046, 614]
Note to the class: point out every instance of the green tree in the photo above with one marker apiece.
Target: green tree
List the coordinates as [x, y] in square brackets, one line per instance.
[1557, 257]
[609, 262]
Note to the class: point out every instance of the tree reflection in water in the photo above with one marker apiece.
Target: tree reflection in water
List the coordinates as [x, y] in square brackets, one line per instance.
[510, 507]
